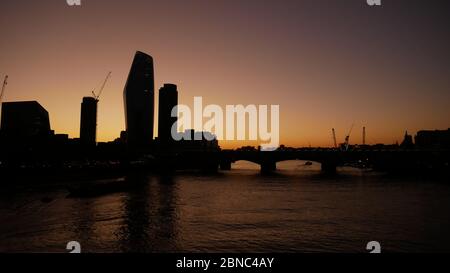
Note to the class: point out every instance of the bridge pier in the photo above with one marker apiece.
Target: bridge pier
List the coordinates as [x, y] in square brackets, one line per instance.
[225, 165]
[329, 167]
[268, 166]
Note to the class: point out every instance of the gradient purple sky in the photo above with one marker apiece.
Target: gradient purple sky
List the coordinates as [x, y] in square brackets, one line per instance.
[327, 63]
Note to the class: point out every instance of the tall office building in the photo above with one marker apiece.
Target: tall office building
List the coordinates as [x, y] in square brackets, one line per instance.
[139, 102]
[88, 122]
[168, 99]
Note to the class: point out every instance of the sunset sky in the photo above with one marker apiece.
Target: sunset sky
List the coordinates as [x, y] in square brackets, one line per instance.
[327, 63]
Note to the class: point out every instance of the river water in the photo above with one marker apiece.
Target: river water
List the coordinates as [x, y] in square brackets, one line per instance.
[297, 209]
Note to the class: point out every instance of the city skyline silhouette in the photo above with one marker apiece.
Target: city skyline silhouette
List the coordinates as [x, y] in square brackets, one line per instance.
[20, 119]
[28, 142]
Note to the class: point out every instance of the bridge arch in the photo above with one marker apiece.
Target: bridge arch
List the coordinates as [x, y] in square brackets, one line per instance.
[245, 164]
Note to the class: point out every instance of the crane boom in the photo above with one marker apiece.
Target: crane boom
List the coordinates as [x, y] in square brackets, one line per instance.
[347, 138]
[351, 129]
[5, 82]
[334, 138]
[97, 96]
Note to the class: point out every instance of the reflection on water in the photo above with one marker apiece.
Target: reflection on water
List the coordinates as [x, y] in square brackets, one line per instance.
[296, 210]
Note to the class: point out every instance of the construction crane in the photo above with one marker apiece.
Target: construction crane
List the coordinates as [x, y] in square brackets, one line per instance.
[347, 138]
[96, 96]
[334, 138]
[5, 82]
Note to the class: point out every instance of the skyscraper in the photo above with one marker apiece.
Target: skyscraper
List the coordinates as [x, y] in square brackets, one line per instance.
[139, 102]
[88, 123]
[168, 99]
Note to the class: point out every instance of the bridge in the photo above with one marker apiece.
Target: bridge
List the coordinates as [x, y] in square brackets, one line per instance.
[330, 159]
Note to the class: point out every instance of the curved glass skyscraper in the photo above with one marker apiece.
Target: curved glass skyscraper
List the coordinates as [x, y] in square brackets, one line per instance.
[139, 102]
